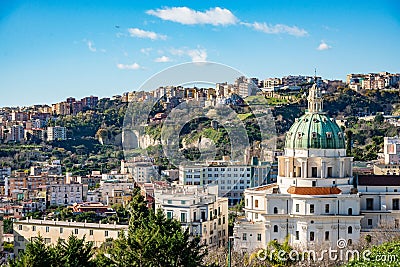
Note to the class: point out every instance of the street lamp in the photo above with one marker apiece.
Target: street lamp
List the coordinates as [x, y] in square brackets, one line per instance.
[230, 249]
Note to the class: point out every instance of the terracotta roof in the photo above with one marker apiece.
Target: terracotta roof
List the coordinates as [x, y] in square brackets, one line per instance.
[264, 187]
[313, 190]
[379, 180]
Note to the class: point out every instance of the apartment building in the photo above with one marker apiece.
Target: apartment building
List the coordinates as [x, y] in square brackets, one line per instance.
[51, 231]
[66, 194]
[18, 184]
[231, 177]
[373, 81]
[197, 208]
[56, 133]
[142, 169]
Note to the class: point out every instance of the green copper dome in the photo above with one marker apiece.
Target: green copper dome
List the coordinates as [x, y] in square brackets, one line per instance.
[315, 130]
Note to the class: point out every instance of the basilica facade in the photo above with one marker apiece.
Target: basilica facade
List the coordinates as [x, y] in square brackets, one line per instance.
[314, 202]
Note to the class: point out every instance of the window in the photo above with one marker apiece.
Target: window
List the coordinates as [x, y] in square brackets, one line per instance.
[47, 240]
[326, 208]
[258, 237]
[76, 231]
[314, 183]
[183, 216]
[256, 216]
[183, 202]
[311, 236]
[47, 229]
[275, 210]
[90, 232]
[169, 201]
[396, 223]
[20, 227]
[395, 203]
[297, 235]
[327, 236]
[61, 230]
[256, 203]
[170, 214]
[350, 230]
[297, 207]
[223, 219]
[350, 211]
[312, 208]
[33, 228]
[314, 135]
[329, 172]
[349, 242]
[276, 229]
[369, 221]
[314, 171]
[244, 237]
[370, 203]
[106, 233]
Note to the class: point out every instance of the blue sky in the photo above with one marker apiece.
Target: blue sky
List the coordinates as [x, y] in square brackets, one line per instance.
[50, 50]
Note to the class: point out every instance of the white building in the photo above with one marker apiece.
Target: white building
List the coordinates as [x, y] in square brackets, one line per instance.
[231, 177]
[66, 194]
[380, 202]
[4, 171]
[56, 133]
[313, 202]
[391, 150]
[142, 169]
[17, 133]
[199, 209]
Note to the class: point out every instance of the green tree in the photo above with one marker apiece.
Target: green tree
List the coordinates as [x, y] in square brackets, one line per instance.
[154, 240]
[379, 118]
[36, 254]
[8, 226]
[74, 252]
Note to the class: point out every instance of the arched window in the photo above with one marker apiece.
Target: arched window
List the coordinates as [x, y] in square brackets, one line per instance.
[349, 242]
[350, 211]
[350, 230]
[275, 210]
[275, 228]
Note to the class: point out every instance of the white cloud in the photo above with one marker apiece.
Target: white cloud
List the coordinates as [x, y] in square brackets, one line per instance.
[146, 50]
[135, 32]
[162, 59]
[133, 66]
[184, 15]
[91, 46]
[276, 29]
[197, 55]
[323, 46]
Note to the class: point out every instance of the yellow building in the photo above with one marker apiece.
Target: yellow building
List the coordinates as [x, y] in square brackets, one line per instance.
[51, 231]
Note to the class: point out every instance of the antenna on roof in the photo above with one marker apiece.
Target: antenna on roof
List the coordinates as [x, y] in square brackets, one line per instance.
[315, 74]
